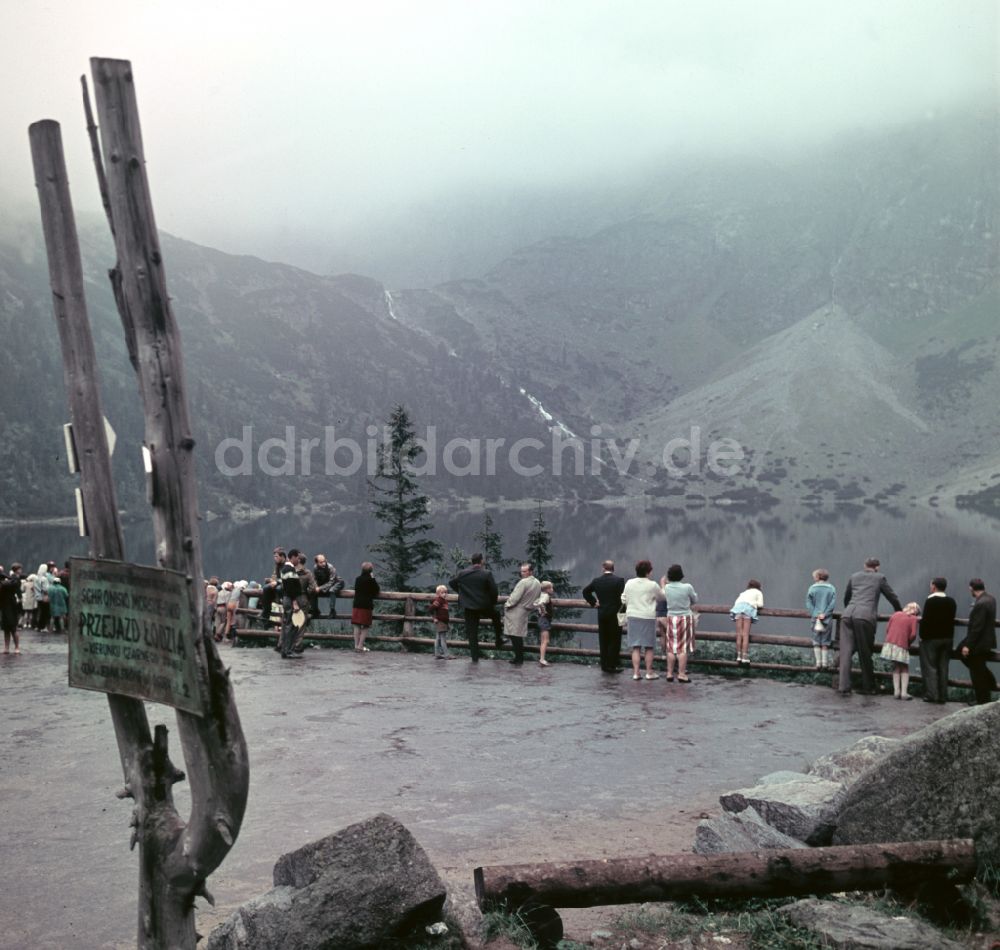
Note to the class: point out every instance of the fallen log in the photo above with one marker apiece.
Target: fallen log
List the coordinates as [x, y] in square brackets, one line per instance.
[777, 873]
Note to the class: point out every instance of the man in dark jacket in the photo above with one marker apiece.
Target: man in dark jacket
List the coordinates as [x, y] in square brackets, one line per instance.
[292, 598]
[477, 597]
[328, 582]
[980, 641]
[605, 593]
[937, 631]
[272, 592]
[857, 623]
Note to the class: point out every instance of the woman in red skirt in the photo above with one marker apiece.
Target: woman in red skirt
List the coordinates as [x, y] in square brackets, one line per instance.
[366, 589]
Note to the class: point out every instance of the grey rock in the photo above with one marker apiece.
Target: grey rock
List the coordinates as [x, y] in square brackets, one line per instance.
[742, 831]
[351, 890]
[941, 782]
[857, 927]
[846, 765]
[798, 805]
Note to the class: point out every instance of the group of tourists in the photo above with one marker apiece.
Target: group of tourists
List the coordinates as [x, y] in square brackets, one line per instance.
[642, 609]
[290, 596]
[530, 600]
[934, 624]
[38, 601]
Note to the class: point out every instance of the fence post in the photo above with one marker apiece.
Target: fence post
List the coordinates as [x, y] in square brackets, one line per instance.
[409, 612]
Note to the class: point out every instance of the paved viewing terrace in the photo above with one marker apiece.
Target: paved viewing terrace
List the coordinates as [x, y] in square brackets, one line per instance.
[484, 763]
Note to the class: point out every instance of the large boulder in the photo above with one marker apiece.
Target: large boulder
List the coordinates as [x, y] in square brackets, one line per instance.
[798, 805]
[742, 831]
[941, 782]
[858, 927]
[846, 765]
[352, 890]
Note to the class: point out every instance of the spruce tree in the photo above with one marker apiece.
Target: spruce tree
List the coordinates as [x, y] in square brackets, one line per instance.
[538, 553]
[449, 563]
[490, 542]
[398, 503]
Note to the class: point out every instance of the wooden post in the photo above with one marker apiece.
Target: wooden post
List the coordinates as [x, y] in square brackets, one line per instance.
[778, 873]
[135, 743]
[179, 857]
[409, 612]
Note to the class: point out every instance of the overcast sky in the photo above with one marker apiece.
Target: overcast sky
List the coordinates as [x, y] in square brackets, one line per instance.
[260, 116]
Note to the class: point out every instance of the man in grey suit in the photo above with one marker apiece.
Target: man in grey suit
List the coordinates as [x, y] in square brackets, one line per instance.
[857, 623]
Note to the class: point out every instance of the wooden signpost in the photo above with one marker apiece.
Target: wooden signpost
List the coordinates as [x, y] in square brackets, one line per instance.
[137, 632]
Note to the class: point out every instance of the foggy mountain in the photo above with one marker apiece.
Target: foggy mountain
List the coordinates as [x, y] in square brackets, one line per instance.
[266, 346]
[835, 317]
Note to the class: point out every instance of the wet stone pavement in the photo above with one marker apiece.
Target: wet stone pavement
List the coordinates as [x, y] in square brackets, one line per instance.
[484, 763]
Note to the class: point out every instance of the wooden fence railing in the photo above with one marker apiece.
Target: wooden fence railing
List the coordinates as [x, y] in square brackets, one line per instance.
[411, 618]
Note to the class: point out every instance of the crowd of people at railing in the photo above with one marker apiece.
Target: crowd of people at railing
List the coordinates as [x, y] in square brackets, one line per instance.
[647, 613]
[641, 609]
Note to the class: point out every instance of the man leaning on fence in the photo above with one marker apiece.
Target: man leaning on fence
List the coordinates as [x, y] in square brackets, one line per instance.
[857, 623]
[937, 631]
[477, 598]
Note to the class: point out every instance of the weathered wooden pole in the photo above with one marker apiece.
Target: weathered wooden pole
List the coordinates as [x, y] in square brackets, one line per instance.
[180, 856]
[778, 873]
[135, 744]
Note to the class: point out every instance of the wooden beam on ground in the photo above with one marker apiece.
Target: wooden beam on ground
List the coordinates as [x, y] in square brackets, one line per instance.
[778, 873]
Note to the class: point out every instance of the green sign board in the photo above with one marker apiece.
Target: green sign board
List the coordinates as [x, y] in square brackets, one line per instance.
[130, 633]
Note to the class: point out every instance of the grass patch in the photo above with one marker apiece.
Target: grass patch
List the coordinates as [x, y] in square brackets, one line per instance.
[752, 923]
[501, 923]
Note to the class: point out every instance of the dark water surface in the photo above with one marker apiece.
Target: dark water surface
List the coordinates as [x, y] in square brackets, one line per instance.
[719, 550]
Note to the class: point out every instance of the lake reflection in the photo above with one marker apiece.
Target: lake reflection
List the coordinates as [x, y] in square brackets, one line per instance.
[718, 549]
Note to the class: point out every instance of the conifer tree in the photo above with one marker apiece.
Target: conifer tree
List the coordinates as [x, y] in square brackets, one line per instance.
[490, 541]
[398, 503]
[538, 553]
[450, 562]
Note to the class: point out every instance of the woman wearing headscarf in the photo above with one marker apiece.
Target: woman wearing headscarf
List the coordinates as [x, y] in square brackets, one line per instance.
[42, 596]
[29, 605]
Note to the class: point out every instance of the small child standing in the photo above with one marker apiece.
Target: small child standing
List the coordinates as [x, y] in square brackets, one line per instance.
[544, 608]
[821, 599]
[744, 613]
[900, 633]
[439, 611]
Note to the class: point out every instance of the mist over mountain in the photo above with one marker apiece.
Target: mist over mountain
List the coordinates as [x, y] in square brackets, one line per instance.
[271, 353]
[833, 317]
[836, 317]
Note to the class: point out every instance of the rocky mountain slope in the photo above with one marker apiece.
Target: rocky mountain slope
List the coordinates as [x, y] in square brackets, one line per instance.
[837, 316]
[271, 352]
